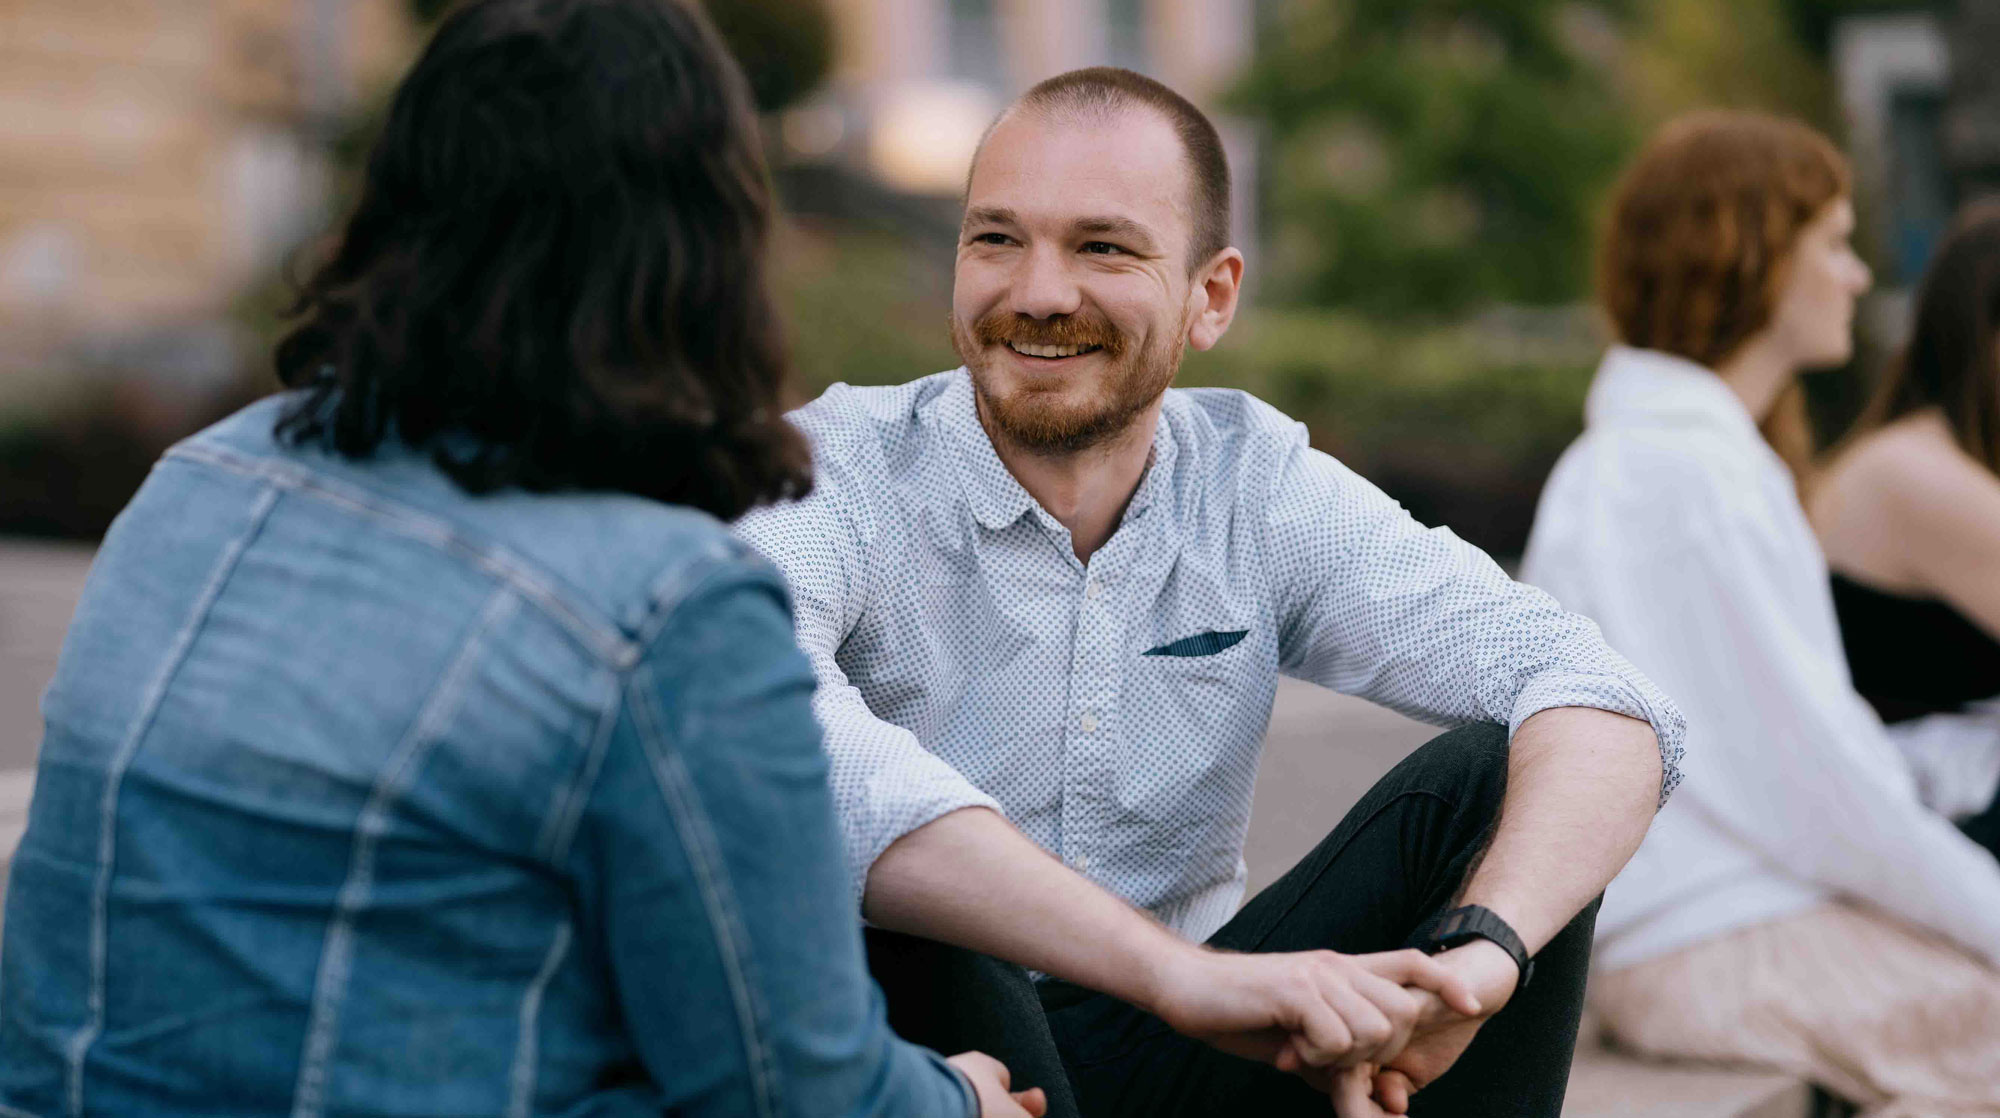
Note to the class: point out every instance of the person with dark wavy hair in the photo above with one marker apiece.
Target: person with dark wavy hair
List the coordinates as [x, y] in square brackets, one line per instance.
[1908, 510]
[424, 744]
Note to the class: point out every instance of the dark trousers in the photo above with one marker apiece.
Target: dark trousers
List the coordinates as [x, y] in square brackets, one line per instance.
[1397, 859]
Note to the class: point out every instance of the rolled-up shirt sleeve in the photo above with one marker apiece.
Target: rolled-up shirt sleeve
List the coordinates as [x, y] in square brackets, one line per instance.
[1372, 603]
[885, 782]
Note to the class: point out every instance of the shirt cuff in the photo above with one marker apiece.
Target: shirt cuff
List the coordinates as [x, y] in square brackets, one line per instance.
[875, 821]
[1619, 695]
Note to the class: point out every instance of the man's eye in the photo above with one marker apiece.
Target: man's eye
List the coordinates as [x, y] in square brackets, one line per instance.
[1101, 248]
[991, 239]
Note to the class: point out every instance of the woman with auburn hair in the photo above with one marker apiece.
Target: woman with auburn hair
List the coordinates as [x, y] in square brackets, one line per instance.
[424, 744]
[1802, 907]
[1909, 513]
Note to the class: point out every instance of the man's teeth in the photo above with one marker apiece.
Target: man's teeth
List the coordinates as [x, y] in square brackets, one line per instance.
[1049, 350]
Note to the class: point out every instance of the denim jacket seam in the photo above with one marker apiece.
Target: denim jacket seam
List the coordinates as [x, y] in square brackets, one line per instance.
[566, 810]
[336, 951]
[599, 635]
[225, 564]
[674, 588]
[521, 1078]
[690, 821]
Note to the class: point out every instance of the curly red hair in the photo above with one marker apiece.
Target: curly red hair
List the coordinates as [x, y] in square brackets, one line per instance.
[1698, 235]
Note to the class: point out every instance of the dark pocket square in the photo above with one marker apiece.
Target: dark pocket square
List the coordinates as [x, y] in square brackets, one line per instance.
[1201, 644]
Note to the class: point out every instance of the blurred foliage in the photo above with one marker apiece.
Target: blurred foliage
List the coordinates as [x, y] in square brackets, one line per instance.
[1428, 156]
[1695, 54]
[1812, 21]
[784, 46]
[862, 307]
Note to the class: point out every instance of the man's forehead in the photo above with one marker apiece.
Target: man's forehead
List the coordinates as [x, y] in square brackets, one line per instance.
[1053, 164]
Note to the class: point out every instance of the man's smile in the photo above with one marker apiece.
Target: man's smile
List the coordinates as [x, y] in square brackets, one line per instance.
[1050, 352]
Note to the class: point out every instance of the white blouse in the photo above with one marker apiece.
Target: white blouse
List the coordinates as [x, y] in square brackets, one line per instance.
[1673, 524]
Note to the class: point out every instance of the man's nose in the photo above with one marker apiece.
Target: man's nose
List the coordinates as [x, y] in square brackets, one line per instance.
[1044, 286]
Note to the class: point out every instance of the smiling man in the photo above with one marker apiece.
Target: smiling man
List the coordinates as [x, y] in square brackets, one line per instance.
[1048, 599]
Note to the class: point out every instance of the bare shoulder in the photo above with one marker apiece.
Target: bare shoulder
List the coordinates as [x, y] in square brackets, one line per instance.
[1894, 468]
[1894, 489]
[1923, 472]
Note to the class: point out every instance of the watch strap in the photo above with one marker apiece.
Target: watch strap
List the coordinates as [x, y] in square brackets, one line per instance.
[1463, 925]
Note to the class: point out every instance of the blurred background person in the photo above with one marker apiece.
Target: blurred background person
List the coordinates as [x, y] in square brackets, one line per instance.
[1804, 909]
[1908, 511]
[423, 743]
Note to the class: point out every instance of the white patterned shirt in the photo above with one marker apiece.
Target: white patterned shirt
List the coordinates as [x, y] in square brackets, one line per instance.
[1114, 711]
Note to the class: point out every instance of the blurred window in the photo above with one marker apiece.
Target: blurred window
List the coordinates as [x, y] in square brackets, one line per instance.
[1919, 185]
[1125, 33]
[975, 43]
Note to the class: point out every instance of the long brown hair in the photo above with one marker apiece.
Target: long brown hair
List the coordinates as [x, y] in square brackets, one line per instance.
[1699, 233]
[1952, 362]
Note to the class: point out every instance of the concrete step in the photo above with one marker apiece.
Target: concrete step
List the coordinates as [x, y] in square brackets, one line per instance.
[1607, 1084]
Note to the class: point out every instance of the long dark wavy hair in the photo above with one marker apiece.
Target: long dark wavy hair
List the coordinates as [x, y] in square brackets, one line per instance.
[555, 275]
[1952, 362]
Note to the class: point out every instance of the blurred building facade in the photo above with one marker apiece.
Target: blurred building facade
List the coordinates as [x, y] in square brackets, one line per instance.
[1920, 95]
[155, 156]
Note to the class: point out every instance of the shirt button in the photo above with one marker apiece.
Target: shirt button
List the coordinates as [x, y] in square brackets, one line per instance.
[1092, 589]
[1081, 862]
[1088, 722]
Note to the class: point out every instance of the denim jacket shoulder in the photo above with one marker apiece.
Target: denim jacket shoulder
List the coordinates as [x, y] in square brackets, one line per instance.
[319, 724]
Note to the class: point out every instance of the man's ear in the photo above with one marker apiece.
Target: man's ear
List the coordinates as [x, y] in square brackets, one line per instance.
[1216, 288]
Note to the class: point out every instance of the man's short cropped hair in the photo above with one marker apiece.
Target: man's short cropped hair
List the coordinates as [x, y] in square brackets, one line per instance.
[1103, 91]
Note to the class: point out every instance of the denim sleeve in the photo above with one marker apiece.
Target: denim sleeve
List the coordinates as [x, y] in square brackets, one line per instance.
[720, 884]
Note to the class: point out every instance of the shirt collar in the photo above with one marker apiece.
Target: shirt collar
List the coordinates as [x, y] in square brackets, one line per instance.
[997, 498]
[1645, 387]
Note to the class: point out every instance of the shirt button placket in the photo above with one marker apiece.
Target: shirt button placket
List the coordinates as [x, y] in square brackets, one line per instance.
[1094, 685]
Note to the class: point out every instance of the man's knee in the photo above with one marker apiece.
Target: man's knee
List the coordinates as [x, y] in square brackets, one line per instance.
[1467, 766]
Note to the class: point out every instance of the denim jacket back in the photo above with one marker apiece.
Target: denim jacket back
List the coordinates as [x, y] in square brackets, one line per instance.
[361, 795]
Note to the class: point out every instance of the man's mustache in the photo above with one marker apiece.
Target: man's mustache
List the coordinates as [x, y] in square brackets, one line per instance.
[1000, 328]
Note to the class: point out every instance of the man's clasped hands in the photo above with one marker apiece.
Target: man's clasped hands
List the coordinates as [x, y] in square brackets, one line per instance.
[1369, 1030]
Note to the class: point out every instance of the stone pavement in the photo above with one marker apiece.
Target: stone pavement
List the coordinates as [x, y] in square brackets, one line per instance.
[1321, 753]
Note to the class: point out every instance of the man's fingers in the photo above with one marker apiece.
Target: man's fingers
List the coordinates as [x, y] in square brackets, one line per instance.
[1393, 1090]
[1033, 1101]
[1401, 1006]
[1351, 1098]
[1323, 1036]
[1319, 1079]
[1371, 1028]
[1411, 967]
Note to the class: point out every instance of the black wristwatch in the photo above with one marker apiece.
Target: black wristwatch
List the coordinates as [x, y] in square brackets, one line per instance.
[1463, 925]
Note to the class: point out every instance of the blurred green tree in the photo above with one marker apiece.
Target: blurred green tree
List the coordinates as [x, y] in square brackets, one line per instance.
[1427, 156]
[784, 46]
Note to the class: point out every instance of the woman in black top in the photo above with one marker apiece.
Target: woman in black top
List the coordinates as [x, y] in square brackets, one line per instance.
[1908, 509]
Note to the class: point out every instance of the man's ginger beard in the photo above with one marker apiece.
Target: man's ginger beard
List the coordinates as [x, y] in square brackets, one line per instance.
[1053, 423]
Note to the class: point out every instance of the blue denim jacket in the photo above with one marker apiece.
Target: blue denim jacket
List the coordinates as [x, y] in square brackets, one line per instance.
[362, 796]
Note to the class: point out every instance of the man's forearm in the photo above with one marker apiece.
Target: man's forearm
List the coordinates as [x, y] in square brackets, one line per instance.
[1582, 787]
[969, 878]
